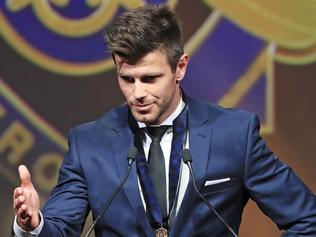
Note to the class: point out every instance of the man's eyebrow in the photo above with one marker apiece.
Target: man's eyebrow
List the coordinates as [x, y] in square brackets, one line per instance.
[124, 74]
[149, 74]
[153, 74]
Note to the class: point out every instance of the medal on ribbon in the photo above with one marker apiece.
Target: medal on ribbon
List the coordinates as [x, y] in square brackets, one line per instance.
[161, 232]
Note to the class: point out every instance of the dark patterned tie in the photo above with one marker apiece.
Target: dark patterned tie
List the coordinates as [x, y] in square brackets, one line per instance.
[156, 165]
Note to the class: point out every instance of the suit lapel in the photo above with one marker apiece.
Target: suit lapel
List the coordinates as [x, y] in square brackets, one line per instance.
[124, 140]
[199, 147]
[200, 139]
[200, 142]
[201, 118]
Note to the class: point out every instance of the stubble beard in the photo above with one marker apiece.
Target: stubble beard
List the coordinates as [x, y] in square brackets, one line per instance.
[144, 118]
[149, 117]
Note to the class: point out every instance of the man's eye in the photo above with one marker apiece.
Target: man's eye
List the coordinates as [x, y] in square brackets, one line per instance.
[127, 79]
[149, 78]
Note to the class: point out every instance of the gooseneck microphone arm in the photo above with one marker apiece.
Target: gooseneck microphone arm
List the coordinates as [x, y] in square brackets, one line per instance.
[187, 158]
[131, 156]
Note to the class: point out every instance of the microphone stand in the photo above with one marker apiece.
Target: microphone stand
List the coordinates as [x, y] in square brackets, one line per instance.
[187, 158]
[132, 153]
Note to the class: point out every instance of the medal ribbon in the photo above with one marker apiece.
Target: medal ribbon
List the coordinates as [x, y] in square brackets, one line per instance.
[154, 211]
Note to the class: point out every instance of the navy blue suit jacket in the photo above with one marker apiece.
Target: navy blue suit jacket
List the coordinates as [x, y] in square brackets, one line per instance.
[223, 142]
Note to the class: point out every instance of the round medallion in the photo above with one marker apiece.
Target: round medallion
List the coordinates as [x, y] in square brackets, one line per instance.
[161, 232]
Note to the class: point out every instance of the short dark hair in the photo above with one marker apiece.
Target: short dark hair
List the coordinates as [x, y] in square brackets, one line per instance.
[137, 32]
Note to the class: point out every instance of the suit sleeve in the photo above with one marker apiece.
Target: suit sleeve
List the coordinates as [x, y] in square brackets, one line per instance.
[67, 208]
[278, 192]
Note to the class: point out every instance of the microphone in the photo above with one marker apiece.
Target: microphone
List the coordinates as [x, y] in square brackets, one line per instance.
[131, 156]
[187, 158]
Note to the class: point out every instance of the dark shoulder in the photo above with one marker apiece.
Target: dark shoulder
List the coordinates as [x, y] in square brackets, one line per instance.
[207, 108]
[231, 124]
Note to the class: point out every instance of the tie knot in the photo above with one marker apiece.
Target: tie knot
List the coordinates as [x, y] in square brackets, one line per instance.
[156, 133]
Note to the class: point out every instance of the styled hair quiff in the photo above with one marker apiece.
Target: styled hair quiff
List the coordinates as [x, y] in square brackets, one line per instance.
[137, 32]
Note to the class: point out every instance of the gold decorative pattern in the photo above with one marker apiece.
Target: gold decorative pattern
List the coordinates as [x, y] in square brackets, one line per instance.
[290, 24]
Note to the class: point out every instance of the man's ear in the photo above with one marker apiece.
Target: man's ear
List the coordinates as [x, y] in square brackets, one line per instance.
[182, 67]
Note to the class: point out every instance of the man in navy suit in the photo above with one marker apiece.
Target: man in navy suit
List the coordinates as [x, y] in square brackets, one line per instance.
[229, 158]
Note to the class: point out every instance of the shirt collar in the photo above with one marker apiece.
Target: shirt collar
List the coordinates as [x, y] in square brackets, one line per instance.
[170, 119]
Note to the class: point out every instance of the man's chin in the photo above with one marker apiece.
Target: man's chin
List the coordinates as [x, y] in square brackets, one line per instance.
[143, 118]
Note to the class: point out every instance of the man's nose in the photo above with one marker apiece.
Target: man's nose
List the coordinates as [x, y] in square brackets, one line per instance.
[139, 90]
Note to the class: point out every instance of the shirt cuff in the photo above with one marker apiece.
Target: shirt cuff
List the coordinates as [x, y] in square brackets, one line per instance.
[22, 233]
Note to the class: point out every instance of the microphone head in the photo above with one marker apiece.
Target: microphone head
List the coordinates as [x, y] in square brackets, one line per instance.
[186, 155]
[132, 153]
